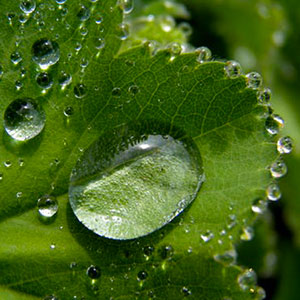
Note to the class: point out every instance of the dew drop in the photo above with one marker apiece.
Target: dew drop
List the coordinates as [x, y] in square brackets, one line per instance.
[123, 31]
[7, 164]
[273, 124]
[247, 234]
[28, 6]
[278, 169]
[50, 297]
[68, 111]
[133, 90]
[166, 252]
[259, 206]
[148, 250]
[99, 43]
[232, 69]
[93, 272]
[264, 96]
[204, 54]
[15, 57]
[142, 275]
[207, 236]
[64, 79]
[44, 80]
[247, 279]
[83, 13]
[18, 85]
[127, 6]
[175, 48]
[61, 1]
[45, 53]
[1, 71]
[144, 181]
[52, 246]
[80, 90]
[231, 221]
[273, 192]
[47, 206]
[227, 258]
[116, 92]
[186, 292]
[253, 80]
[24, 119]
[285, 145]
[186, 28]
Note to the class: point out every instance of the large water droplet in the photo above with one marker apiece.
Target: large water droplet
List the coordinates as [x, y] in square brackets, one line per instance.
[47, 206]
[204, 54]
[24, 119]
[28, 6]
[259, 206]
[45, 53]
[285, 145]
[264, 96]
[278, 169]
[128, 184]
[273, 124]
[253, 80]
[273, 192]
[127, 6]
[83, 13]
[247, 279]
[232, 69]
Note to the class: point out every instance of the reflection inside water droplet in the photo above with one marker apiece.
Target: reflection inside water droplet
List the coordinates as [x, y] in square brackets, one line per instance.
[129, 184]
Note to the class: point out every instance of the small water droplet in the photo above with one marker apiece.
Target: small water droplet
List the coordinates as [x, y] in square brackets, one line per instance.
[44, 80]
[1, 71]
[1, 176]
[98, 18]
[207, 236]
[52, 246]
[231, 221]
[227, 258]
[83, 13]
[148, 250]
[64, 79]
[123, 31]
[259, 206]
[185, 291]
[47, 206]
[61, 1]
[93, 272]
[28, 6]
[45, 53]
[127, 6]
[204, 54]
[247, 279]
[278, 169]
[133, 90]
[167, 23]
[142, 275]
[247, 234]
[186, 28]
[175, 48]
[273, 192]
[15, 57]
[99, 43]
[68, 111]
[116, 92]
[24, 119]
[83, 31]
[18, 85]
[264, 96]
[253, 80]
[7, 164]
[80, 90]
[166, 252]
[50, 297]
[273, 124]
[232, 69]
[285, 145]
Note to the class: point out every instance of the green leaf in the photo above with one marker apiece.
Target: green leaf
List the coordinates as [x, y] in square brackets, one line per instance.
[177, 96]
